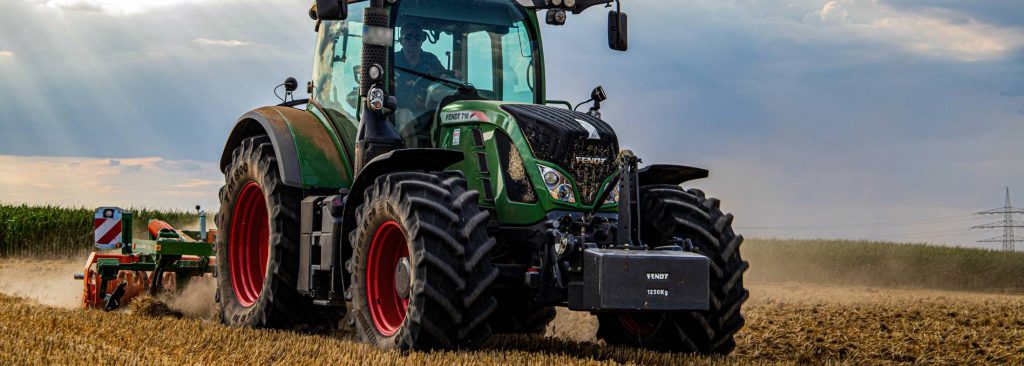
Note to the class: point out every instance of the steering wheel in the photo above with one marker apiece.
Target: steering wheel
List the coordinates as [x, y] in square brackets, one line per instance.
[425, 100]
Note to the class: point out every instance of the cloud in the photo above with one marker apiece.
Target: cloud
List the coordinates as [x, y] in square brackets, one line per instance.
[75, 181]
[833, 12]
[998, 12]
[220, 42]
[199, 183]
[85, 6]
[116, 7]
[934, 32]
[1013, 91]
[806, 113]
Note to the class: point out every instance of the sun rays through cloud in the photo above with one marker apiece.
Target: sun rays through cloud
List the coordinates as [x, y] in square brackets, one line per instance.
[119, 7]
[868, 110]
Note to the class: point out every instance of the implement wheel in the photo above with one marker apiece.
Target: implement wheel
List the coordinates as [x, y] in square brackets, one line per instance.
[422, 264]
[669, 211]
[257, 247]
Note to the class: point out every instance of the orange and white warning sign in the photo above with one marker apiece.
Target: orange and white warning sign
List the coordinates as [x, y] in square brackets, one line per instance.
[107, 228]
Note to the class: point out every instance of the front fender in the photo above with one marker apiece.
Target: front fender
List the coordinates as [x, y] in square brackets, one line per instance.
[309, 154]
[669, 174]
[401, 160]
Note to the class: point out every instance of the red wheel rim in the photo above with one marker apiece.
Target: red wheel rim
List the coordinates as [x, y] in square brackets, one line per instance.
[638, 325]
[249, 244]
[387, 308]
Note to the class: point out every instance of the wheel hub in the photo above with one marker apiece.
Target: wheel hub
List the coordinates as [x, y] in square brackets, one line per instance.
[403, 278]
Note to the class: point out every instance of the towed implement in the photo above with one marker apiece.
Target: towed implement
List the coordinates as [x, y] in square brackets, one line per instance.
[126, 268]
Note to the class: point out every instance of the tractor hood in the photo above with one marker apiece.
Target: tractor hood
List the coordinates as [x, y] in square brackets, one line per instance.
[581, 144]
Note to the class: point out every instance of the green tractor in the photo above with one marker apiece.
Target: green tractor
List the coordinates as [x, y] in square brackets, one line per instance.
[430, 191]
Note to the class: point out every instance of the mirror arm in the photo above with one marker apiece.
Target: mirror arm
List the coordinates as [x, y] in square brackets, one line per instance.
[582, 103]
[582, 5]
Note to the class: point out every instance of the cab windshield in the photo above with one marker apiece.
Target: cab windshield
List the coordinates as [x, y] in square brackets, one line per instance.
[442, 43]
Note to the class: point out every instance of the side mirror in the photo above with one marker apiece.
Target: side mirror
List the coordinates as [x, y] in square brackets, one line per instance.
[617, 31]
[598, 94]
[329, 10]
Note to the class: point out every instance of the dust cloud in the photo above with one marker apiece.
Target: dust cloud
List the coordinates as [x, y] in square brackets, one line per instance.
[49, 282]
[196, 300]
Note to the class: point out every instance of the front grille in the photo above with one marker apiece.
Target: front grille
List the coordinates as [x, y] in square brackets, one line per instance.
[481, 160]
[517, 181]
[556, 135]
[478, 137]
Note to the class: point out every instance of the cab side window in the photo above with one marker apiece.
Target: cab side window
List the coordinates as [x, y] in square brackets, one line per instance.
[336, 71]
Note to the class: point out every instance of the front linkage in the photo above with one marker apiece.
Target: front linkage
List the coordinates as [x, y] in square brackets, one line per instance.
[598, 262]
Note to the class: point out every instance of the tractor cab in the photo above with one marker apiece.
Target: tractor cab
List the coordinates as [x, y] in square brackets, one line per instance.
[442, 51]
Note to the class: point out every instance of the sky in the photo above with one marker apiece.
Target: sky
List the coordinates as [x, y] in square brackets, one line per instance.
[861, 119]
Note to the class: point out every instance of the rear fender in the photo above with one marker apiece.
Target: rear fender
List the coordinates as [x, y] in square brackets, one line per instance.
[309, 154]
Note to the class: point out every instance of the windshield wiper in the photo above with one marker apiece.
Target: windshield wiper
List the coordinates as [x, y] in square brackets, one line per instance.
[464, 88]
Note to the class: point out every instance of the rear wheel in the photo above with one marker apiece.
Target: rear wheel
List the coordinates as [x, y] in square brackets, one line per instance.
[669, 211]
[257, 247]
[422, 264]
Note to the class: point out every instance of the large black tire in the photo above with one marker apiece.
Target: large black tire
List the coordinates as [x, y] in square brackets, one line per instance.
[439, 297]
[515, 315]
[253, 190]
[669, 211]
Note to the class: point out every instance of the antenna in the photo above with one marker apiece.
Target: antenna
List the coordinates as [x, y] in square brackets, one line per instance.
[1007, 224]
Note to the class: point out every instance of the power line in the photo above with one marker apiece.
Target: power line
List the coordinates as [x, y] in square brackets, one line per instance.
[1007, 224]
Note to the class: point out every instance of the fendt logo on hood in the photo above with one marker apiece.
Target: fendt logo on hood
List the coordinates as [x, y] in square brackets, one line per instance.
[590, 160]
[464, 116]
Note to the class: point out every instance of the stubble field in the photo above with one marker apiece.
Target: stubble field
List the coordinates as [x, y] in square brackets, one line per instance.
[811, 302]
[786, 323]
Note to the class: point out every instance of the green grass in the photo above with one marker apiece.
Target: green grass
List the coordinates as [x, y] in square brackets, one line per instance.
[51, 231]
[884, 264]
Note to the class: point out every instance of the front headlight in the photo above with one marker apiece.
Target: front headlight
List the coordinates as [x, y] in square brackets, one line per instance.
[557, 185]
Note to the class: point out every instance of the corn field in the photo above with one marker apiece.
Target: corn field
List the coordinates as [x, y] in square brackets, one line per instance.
[59, 232]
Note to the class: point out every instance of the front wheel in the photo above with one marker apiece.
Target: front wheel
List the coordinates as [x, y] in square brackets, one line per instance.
[422, 264]
[666, 212]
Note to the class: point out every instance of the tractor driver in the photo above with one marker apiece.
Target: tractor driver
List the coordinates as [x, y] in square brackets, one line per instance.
[413, 121]
[413, 57]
